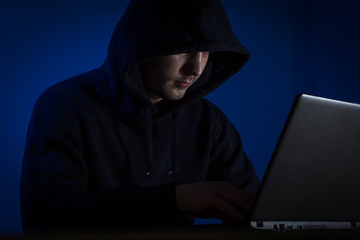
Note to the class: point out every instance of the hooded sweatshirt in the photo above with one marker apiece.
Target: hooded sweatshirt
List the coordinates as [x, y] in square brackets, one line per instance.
[100, 154]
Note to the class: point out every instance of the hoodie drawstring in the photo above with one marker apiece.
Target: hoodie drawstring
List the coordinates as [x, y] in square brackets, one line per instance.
[174, 147]
[150, 166]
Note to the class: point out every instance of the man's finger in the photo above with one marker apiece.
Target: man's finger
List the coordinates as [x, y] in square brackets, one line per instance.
[238, 199]
[228, 212]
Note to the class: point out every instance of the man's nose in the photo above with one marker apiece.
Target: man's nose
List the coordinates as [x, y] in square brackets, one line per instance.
[195, 64]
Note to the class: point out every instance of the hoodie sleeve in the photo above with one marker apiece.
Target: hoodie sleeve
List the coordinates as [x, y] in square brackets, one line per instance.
[229, 161]
[54, 182]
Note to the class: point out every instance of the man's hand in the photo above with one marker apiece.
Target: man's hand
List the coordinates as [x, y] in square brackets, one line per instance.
[214, 200]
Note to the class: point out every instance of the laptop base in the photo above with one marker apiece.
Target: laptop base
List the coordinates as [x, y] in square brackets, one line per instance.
[303, 225]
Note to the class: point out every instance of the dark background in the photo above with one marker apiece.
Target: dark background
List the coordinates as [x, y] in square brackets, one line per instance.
[303, 46]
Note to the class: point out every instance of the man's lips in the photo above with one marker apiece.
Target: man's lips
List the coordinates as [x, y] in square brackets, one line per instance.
[182, 84]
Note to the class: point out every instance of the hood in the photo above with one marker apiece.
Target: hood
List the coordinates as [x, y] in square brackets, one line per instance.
[153, 28]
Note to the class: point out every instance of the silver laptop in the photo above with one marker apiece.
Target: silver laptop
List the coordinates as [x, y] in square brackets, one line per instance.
[313, 179]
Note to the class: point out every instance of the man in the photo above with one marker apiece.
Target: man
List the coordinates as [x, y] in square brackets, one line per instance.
[133, 143]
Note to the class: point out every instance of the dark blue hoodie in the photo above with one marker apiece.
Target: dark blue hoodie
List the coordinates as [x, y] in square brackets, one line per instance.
[100, 154]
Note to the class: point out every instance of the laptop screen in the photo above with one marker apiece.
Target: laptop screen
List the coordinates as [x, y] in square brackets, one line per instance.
[314, 171]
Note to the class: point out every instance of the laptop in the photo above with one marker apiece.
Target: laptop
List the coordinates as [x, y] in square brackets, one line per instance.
[313, 178]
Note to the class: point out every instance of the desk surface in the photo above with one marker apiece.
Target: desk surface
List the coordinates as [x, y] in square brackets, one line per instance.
[208, 232]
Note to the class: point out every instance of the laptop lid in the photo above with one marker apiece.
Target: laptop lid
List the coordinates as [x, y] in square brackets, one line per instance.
[313, 178]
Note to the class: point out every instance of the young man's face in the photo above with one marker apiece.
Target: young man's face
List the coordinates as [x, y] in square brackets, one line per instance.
[169, 77]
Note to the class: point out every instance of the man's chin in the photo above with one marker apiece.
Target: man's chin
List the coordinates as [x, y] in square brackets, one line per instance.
[175, 97]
